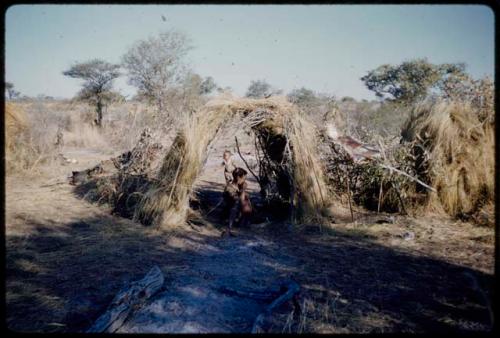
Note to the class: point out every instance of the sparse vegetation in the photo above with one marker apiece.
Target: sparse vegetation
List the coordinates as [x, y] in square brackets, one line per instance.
[261, 89]
[98, 77]
[156, 65]
[398, 192]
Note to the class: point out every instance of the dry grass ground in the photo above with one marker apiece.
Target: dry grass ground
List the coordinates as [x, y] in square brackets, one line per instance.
[366, 277]
[67, 258]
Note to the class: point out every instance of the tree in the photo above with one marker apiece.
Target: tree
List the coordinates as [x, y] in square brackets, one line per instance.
[302, 96]
[98, 77]
[194, 84]
[11, 92]
[207, 86]
[260, 89]
[155, 65]
[411, 80]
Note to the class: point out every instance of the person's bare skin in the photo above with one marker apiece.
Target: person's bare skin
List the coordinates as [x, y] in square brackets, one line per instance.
[237, 200]
[228, 165]
[245, 207]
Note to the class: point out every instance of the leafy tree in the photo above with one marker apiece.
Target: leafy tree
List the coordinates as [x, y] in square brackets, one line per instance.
[411, 80]
[207, 86]
[194, 84]
[11, 92]
[156, 65]
[260, 89]
[98, 77]
[302, 96]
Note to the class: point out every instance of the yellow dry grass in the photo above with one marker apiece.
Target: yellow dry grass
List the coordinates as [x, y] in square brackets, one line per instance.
[461, 155]
[167, 202]
[15, 122]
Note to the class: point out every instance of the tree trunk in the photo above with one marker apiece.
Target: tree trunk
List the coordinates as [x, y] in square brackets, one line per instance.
[98, 119]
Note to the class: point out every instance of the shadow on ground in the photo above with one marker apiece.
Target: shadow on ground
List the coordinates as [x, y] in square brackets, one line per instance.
[60, 278]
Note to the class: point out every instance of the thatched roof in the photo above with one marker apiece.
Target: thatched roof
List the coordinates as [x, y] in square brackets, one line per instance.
[167, 203]
[455, 148]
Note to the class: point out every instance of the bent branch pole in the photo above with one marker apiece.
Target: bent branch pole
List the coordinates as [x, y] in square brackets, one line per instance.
[244, 161]
[407, 175]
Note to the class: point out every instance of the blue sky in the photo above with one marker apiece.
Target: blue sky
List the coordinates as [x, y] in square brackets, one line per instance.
[326, 48]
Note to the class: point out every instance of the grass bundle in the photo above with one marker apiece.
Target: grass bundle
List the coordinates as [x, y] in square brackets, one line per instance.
[454, 148]
[22, 153]
[15, 122]
[308, 169]
[167, 202]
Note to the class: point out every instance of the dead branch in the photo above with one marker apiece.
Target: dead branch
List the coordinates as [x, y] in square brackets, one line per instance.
[244, 161]
[398, 193]
[292, 289]
[128, 300]
[388, 167]
[349, 197]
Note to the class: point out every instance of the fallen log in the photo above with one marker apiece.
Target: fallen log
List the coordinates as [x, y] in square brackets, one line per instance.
[128, 300]
[292, 288]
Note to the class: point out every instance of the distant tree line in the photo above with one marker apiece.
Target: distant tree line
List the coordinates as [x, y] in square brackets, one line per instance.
[155, 66]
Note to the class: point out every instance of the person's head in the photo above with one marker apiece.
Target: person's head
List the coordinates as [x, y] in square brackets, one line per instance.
[239, 175]
[227, 155]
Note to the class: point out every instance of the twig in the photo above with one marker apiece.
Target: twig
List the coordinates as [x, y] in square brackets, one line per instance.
[244, 161]
[380, 195]
[399, 197]
[257, 153]
[407, 175]
[208, 213]
[349, 197]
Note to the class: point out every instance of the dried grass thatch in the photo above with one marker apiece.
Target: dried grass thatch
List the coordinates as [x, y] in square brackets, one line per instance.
[454, 148]
[167, 202]
[15, 122]
[122, 180]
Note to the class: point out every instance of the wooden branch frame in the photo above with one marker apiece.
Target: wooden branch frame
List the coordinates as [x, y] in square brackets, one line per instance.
[244, 161]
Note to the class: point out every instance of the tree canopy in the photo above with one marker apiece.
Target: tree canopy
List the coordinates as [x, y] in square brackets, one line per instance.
[11, 92]
[156, 64]
[260, 89]
[411, 80]
[98, 77]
